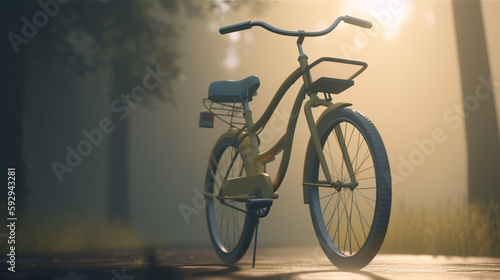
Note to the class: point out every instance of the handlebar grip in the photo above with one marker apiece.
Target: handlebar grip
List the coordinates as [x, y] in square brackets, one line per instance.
[235, 27]
[357, 22]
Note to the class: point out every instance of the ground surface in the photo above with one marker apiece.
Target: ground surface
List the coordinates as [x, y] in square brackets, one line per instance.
[272, 263]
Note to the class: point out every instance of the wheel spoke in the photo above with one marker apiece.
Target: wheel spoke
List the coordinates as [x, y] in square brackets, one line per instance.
[333, 214]
[361, 217]
[344, 210]
[362, 195]
[361, 171]
[364, 219]
[365, 158]
[326, 206]
[351, 221]
[365, 178]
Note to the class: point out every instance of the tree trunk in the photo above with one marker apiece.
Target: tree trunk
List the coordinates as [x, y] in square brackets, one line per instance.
[118, 190]
[12, 86]
[483, 144]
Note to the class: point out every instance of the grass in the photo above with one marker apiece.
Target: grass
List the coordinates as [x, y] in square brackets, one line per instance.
[460, 230]
[72, 233]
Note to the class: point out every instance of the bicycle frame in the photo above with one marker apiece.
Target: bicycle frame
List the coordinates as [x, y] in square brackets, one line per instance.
[255, 159]
[246, 137]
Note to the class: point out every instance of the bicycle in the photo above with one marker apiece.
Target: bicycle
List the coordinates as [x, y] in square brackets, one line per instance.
[346, 179]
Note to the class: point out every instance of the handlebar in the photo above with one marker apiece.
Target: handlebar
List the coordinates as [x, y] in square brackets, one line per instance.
[358, 22]
[235, 27]
[301, 33]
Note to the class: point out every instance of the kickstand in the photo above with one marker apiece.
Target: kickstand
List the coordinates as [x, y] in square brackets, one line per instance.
[255, 242]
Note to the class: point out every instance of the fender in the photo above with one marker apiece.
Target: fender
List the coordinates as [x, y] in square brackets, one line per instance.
[310, 145]
[331, 108]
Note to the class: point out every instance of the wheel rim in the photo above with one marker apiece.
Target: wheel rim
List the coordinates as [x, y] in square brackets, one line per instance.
[225, 222]
[347, 211]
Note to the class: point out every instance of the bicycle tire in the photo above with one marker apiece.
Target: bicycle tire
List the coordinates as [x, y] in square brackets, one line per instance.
[372, 196]
[221, 218]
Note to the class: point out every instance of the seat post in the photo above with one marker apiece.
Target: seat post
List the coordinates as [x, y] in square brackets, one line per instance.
[248, 116]
[246, 106]
[259, 167]
[246, 111]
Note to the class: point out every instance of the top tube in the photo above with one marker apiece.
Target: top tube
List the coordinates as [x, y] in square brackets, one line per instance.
[300, 33]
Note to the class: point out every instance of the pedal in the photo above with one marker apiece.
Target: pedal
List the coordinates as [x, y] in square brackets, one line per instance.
[258, 203]
[259, 206]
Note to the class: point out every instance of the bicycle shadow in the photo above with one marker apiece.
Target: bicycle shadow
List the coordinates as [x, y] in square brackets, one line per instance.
[328, 274]
[218, 271]
[195, 271]
[157, 271]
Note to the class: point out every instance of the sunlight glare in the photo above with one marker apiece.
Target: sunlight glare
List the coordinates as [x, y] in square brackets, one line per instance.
[234, 37]
[389, 15]
[232, 61]
[220, 7]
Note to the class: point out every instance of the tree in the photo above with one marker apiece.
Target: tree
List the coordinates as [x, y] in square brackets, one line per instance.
[481, 125]
[129, 38]
[12, 74]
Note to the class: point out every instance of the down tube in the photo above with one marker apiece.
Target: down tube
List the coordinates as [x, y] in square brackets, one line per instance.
[290, 131]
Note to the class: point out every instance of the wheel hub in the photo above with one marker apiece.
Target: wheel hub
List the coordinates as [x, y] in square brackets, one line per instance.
[338, 185]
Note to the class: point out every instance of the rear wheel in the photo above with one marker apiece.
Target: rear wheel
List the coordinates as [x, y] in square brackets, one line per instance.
[350, 217]
[230, 228]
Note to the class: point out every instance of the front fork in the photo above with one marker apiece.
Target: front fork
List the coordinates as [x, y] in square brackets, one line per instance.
[313, 102]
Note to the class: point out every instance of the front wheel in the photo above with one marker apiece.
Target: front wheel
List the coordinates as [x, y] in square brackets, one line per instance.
[351, 214]
[230, 228]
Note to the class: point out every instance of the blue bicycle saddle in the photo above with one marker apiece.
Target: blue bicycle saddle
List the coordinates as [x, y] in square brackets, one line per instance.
[233, 91]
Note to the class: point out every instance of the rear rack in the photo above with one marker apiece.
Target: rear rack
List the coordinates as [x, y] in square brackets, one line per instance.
[230, 113]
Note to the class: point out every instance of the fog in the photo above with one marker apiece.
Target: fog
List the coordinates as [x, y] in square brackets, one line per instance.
[411, 91]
